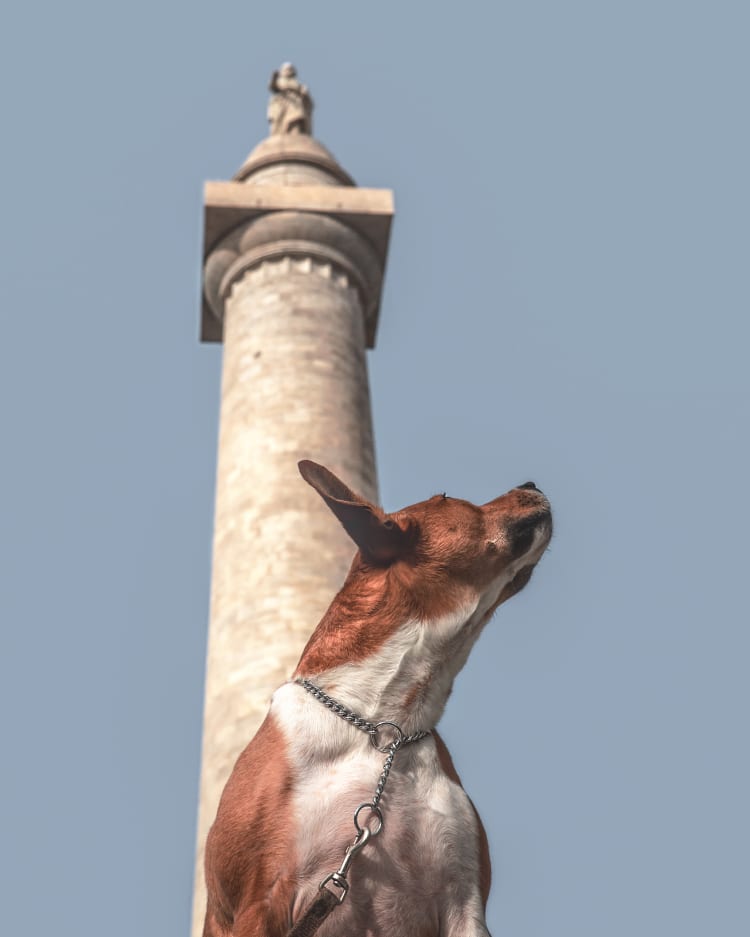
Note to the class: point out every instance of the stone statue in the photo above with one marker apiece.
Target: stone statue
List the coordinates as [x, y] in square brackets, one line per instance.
[290, 107]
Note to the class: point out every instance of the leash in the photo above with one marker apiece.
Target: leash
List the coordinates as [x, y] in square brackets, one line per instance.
[372, 825]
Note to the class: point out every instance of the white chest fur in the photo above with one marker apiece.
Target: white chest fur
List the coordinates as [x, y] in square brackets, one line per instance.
[421, 874]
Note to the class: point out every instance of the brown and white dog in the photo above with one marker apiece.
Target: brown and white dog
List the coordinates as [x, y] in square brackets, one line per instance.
[422, 585]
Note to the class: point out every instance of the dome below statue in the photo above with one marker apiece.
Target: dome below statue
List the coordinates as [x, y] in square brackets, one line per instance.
[292, 159]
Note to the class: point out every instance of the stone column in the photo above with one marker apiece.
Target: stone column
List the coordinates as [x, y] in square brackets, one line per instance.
[292, 279]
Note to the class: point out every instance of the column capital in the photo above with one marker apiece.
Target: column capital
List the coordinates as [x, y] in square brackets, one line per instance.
[245, 226]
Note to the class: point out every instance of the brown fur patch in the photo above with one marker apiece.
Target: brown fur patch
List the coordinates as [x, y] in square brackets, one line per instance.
[250, 862]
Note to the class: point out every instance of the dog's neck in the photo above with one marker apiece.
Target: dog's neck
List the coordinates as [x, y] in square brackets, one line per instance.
[378, 655]
[407, 681]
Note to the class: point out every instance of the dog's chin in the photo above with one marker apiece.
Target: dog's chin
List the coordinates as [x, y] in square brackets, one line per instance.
[510, 589]
[518, 581]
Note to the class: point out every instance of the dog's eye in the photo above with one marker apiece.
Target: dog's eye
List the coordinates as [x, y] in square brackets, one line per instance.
[389, 525]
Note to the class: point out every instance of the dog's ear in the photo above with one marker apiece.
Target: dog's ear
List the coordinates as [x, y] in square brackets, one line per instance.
[380, 538]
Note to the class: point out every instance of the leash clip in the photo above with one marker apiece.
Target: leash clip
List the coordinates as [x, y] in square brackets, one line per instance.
[338, 878]
[339, 881]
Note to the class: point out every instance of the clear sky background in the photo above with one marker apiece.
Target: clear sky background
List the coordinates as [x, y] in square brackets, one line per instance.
[566, 300]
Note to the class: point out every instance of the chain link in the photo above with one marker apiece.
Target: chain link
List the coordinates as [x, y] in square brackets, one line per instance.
[330, 703]
[371, 728]
[385, 772]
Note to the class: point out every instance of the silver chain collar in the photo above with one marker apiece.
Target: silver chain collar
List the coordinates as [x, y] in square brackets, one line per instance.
[373, 729]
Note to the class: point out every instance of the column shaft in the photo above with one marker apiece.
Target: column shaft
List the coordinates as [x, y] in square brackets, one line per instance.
[294, 386]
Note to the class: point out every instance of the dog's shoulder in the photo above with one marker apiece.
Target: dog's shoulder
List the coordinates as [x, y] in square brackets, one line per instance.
[249, 845]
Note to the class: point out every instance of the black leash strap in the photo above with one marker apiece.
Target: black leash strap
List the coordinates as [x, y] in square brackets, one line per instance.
[315, 914]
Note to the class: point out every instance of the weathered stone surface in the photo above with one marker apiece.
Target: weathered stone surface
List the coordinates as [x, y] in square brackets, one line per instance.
[292, 280]
[304, 159]
[353, 223]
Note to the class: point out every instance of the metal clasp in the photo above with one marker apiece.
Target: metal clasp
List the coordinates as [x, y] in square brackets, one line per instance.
[339, 881]
[338, 878]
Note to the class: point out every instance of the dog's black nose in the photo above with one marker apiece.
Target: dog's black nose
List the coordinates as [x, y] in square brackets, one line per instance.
[530, 485]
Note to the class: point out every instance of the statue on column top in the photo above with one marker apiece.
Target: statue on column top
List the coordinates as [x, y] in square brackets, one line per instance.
[290, 107]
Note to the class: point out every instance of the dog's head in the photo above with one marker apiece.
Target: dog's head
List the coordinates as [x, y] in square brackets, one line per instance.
[445, 551]
[422, 585]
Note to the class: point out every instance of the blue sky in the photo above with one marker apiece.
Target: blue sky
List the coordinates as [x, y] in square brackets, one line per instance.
[566, 300]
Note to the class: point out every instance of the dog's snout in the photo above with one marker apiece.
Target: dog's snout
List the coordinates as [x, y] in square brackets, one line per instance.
[529, 485]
